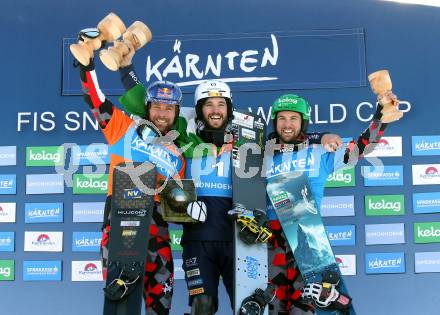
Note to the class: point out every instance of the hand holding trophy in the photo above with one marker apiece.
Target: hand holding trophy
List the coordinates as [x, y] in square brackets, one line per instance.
[109, 29]
[136, 36]
[381, 85]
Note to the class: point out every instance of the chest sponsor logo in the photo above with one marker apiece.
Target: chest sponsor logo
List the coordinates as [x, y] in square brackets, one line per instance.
[426, 202]
[193, 273]
[133, 193]
[42, 270]
[427, 232]
[426, 174]
[425, 145]
[379, 205]
[377, 263]
[45, 156]
[388, 175]
[341, 178]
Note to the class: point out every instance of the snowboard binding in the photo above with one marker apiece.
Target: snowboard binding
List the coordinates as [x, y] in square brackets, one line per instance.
[253, 229]
[326, 294]
[255, 303]
[125, 283]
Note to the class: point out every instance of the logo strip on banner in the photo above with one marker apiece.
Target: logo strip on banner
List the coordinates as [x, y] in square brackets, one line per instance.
[41, 184]
[86, 241]
[387, 147]
[45, 156]
[346, 264]
[337, 206]
[8, 155]
[90, 183]
[44, 270]
[377, 234]
[44, 212]
[7, 241]
[379, 205]
[427, 262]
[7, 270]
[426, 174]
[378, 263]
[341, 178]
[8, 184]
[425, 145]
[427, 232]
[92, 154]
[388, 175]
[43, 241]
[88, 212]
[341, 235]
[7, 212]
[426, 202]
[87, 270]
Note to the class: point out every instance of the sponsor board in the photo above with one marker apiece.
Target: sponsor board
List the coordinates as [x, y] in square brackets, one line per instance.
[176, 237]
[43, 212]
[92, 154]
[7, 240]
[8, 184]
[337, 206]
[387, 147]
[426, 262]
[378, 205]
[90, 184]
[179, 274]
[341, 235]
[43, 270]
[45, 156]
[88, 270]
[8, 155]
[425, 145]
[342, 178]
[7, 270]
[426, 174]
[378, 263]
[347, 264]
[44, 184]
[426, 202]
[393, 233]
[88, 212]
[86, 241]
[388, 175]
[43, 241]
[427, 232]
[7, 212]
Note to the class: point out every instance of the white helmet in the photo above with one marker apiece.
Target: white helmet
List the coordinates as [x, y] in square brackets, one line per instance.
[212, 88]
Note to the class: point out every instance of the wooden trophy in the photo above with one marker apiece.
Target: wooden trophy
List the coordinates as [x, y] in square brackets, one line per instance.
[138, 34]
[381, 85]
[110, 28]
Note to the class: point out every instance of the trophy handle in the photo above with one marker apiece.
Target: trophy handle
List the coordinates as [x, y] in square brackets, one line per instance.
[110, 28]
[138, 34]
[381, 85]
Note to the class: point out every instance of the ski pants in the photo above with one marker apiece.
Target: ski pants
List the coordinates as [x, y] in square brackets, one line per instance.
[284, 273]
[159, 267]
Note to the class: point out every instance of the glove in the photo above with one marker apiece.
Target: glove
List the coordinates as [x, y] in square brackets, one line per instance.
[197, 210]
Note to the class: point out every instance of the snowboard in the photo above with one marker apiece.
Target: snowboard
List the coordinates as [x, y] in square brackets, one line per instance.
[248, 194]
[300, 218]
[130, 219]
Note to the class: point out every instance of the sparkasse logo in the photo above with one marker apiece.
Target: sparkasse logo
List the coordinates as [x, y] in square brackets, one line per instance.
[45, 156]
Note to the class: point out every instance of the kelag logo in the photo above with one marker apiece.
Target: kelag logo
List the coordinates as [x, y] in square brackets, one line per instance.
[426, 202]
[389, 175]
[7, 241]
[43, 241]
[427, 232]
[176, 237]
[8, 155]
[7, 270]
[87, 270]
[45, 156]
[90, 183]
[384, 205]
[393, 233]
[341, 178]
[43, 212]
[7, 212]
[86, 241]
[337, 206]
[427, 262]
[88, 211]
[425, 145]
[42, 270]
[44, 184]
[384, 263]
[341, 235]
[426, 174]
[93, 154]
[8, 184]
[386, 147]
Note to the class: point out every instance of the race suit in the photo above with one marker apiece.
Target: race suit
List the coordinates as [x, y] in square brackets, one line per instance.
[121, 132]
[318, 164]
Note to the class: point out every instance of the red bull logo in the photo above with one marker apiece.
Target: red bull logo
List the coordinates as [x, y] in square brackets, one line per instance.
[164, 93]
